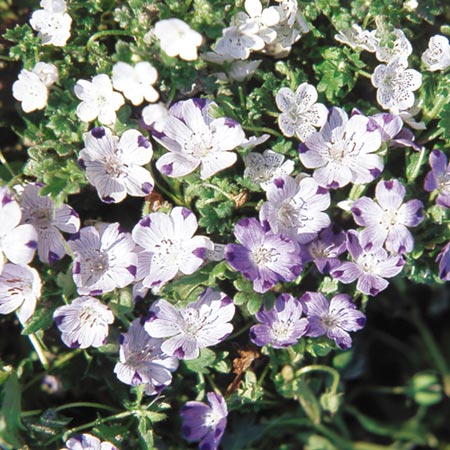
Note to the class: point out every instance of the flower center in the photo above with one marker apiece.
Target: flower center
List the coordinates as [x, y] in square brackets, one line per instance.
[42, 218]
[212, 419]
[263, 256]
[114, 166]
[282, 330]
[199, 145]
[389, 218]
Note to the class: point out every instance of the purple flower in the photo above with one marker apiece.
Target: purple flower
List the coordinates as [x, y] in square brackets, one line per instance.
[20, 287]
[333, 318]
[142, 361]
[262, 256]
[169, 246]
[83, 323]
[48, 220]
[439, 178]
[17, 242]
[114, 166]
[294, 209]
[342, 151]
[444, 263]
[86, 441]
[199, 325]
[386, 219]
[195, 138]
[104, 259]
[371, 265]
[205, 423]
[280, 326]
[325, 249]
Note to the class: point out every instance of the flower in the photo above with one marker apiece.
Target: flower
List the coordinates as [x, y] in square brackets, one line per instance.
[439, 178]
[105, 259]
[396, 84]
[142, 362]
[325, 249]
[342, 151]
[83, 323]
[357, 38]
[52, 22]
[335, 318]
[371, 265]
[47, 220]
[86, 441]
[282, 325]
[177, 38]
[136, 83]
[263, 169]
[300, 112]
[205, 423]
[392, 45]
[154, 117]
[20, 287]
[114, 166]
[263, 256]
[237, 42]
[199, 325]
[98, 100]
[31, 88]
[437, 55]
[194, 138]
[444, 262]
[171, 246]
[17, 242]
[294, 209]
[386, 219]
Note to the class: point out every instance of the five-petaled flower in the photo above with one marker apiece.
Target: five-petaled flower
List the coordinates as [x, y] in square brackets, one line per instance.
[114, 166]
[199, 325]
[438, 179]
[87, 441]
[437, 55]
[205, 423]
[280, 326]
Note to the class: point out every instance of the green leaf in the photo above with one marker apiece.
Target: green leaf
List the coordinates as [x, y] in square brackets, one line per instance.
[42, 319]
[307, 399]
[201, 364]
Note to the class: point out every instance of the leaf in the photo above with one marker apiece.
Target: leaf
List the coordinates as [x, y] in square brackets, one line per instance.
[201, 364]
[308, 400]
[42, 319]
[10, 423]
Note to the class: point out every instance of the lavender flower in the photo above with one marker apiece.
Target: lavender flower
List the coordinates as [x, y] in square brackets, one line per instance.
[333, 318]
[439, 178]
[386, 219]
[444, 263]
[142, 360]
[294, 209]
[325, 249]
[48, 220]
[262, 256]
[205, 423]
[20, 287]
[199, 325]
[86, 441]
[17, 242]
[105, 259]
[370, 266]
[114, 166]
[195, 138]
[343, 151]
[83, 323]
[280, 326]
[169, 239]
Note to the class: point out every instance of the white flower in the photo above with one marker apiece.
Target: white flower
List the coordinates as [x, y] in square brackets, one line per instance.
[240, 70]
[437, 55]
[356, 37]
[300, 112]
[30, 90]
[238, 42]
[263, 169]
[52, 22]
[177, 38]
[136, 82]
[396, 84]
[114, 166]
[48, 73]
[155, 116]
[20, 287]
[392, 45]
[98, 100]
[264, 18]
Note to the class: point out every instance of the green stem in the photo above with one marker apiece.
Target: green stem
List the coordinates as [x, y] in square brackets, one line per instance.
[86, 405]
[263, 375]
[320, 368]
[6, 164]
[263, 130]
[218, 189]
[430, 115]
[168, 194]
[239, 332]
[39, 351]
[416, 171]
[102, 34]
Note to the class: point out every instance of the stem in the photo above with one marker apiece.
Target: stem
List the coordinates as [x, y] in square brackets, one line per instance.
[86, 405]
[418, 165]
[320, 368]
[168, 194]
[6, 164]
[263, 375]
[218, 189]
[239, 332]
[430, 115]
[102, 34]
[263, 130]
[39, 351]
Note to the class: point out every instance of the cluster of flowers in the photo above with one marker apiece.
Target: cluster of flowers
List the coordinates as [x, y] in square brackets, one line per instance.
[293, 228]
